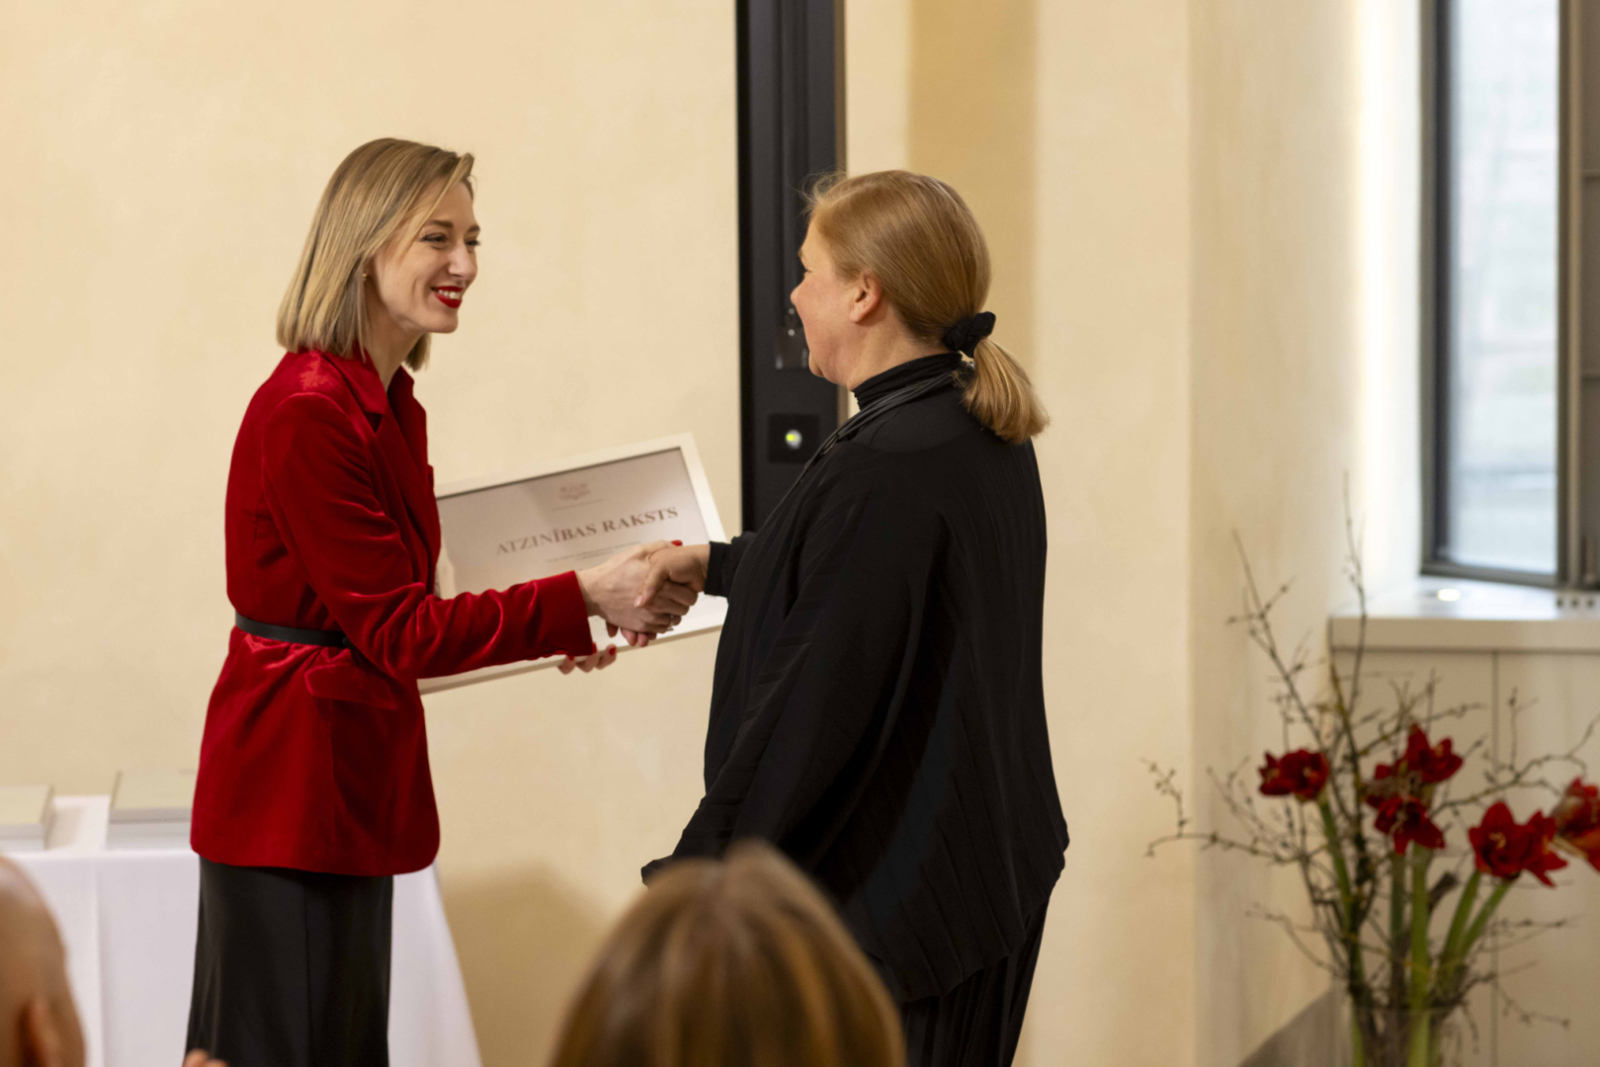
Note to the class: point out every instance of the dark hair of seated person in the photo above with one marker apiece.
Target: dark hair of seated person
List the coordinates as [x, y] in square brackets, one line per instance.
[737, 962]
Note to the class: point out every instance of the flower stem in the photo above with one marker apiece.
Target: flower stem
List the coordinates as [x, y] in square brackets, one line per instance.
[1420, 1019]
[1397, 931]
[1352, 939]
[1347, 897]
[1481, 923]
[1421, 1041]
[1458, 924]
[1454, 951]
[1341, 871]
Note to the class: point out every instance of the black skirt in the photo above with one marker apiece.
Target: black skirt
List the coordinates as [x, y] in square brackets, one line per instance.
[291, 968]
[977, 1023]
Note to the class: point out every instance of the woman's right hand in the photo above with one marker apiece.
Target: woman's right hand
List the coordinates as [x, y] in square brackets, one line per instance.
[671, 565]
[612, 591]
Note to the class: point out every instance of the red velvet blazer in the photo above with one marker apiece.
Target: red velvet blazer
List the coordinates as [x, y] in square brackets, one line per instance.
[317, 758]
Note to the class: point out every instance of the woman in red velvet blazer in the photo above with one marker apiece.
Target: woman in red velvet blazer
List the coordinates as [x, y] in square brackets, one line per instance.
[314, 787]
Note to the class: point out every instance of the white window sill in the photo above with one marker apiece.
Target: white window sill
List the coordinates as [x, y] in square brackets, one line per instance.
[1479, 617]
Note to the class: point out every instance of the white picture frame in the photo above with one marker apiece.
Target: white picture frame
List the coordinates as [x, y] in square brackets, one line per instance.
[570, 513]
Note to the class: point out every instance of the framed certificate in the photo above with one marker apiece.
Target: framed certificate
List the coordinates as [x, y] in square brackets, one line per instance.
[568, 515]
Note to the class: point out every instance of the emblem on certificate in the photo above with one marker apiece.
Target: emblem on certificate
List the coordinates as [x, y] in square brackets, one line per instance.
[568, 515]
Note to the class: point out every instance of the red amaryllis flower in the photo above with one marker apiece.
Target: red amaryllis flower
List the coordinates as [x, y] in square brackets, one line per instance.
[1504, 849]
[1577, 819]
[1431, 763]
[1405, 819]
[1301, 773]
[1384, 784]
[1427, 764]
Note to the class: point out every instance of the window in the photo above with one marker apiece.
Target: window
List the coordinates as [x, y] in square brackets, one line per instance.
[1495, 164]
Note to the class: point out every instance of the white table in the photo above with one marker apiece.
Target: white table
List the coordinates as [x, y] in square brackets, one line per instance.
[128, 919]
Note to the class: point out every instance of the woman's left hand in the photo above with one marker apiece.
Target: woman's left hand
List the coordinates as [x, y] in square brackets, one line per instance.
[595, 661]
[634, 638]
[611, 591]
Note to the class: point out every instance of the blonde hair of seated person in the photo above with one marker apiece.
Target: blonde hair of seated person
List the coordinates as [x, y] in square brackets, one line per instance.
[39, 1024]
[731, 963]
[38, 1020]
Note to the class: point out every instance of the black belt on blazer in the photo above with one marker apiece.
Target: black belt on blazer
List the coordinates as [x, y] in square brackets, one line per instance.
[326, 638]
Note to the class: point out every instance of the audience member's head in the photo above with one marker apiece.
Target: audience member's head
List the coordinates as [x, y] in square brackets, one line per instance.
[733, 963]
[38, 1022]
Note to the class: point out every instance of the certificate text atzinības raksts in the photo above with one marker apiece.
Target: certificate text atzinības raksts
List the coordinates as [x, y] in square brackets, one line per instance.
[588, 529]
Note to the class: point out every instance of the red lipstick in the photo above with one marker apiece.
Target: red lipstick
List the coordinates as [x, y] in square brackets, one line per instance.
[449, 296]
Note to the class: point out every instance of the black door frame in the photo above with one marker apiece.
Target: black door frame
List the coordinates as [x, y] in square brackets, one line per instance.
[791, 131]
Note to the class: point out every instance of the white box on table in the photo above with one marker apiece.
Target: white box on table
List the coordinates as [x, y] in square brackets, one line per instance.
[26, 813]
[151, 809]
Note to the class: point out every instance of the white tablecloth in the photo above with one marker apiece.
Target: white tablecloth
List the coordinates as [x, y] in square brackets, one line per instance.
[128, 920]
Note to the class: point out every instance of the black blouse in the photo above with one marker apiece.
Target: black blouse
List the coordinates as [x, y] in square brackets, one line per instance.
[878, 706]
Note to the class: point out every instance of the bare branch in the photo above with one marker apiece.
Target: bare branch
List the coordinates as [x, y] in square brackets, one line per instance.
[1356, 887]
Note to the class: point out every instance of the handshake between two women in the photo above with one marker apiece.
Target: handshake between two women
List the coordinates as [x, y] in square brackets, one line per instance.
[641, 594]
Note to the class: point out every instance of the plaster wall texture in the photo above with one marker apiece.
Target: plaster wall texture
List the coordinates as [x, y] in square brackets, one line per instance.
[1304, 348]
[1110, 297]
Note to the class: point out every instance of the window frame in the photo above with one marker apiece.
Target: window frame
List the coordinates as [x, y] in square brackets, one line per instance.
[1435, 319]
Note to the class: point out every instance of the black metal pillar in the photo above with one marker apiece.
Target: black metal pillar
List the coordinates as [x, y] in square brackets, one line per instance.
[790, 67]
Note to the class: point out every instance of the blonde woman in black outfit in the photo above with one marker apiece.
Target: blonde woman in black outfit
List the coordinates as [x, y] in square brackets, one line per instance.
[878, 708]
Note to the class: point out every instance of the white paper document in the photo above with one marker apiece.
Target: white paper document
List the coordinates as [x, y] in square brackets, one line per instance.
[569, 515]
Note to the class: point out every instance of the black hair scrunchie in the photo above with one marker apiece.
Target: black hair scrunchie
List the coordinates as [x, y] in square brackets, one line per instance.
[965, 335]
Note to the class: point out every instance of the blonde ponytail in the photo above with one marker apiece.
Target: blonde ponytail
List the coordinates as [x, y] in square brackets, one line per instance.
[1001, 397]
[919, 238]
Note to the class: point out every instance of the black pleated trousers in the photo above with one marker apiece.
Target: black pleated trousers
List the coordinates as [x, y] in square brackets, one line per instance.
[978, 1022]
[291, 968]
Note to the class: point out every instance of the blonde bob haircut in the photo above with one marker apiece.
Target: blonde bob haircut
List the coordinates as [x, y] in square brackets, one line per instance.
[381, 190]
[918, 238]
[731, 963]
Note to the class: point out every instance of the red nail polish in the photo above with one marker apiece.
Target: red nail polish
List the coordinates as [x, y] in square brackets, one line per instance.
[678, 543]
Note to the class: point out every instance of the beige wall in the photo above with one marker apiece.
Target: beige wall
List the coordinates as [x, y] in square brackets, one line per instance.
[1274, 339]
[1182, 196]
[1111, 292]
[162, 164]
[1304, 367]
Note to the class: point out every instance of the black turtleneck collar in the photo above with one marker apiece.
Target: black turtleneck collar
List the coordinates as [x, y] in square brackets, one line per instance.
[908, 373]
